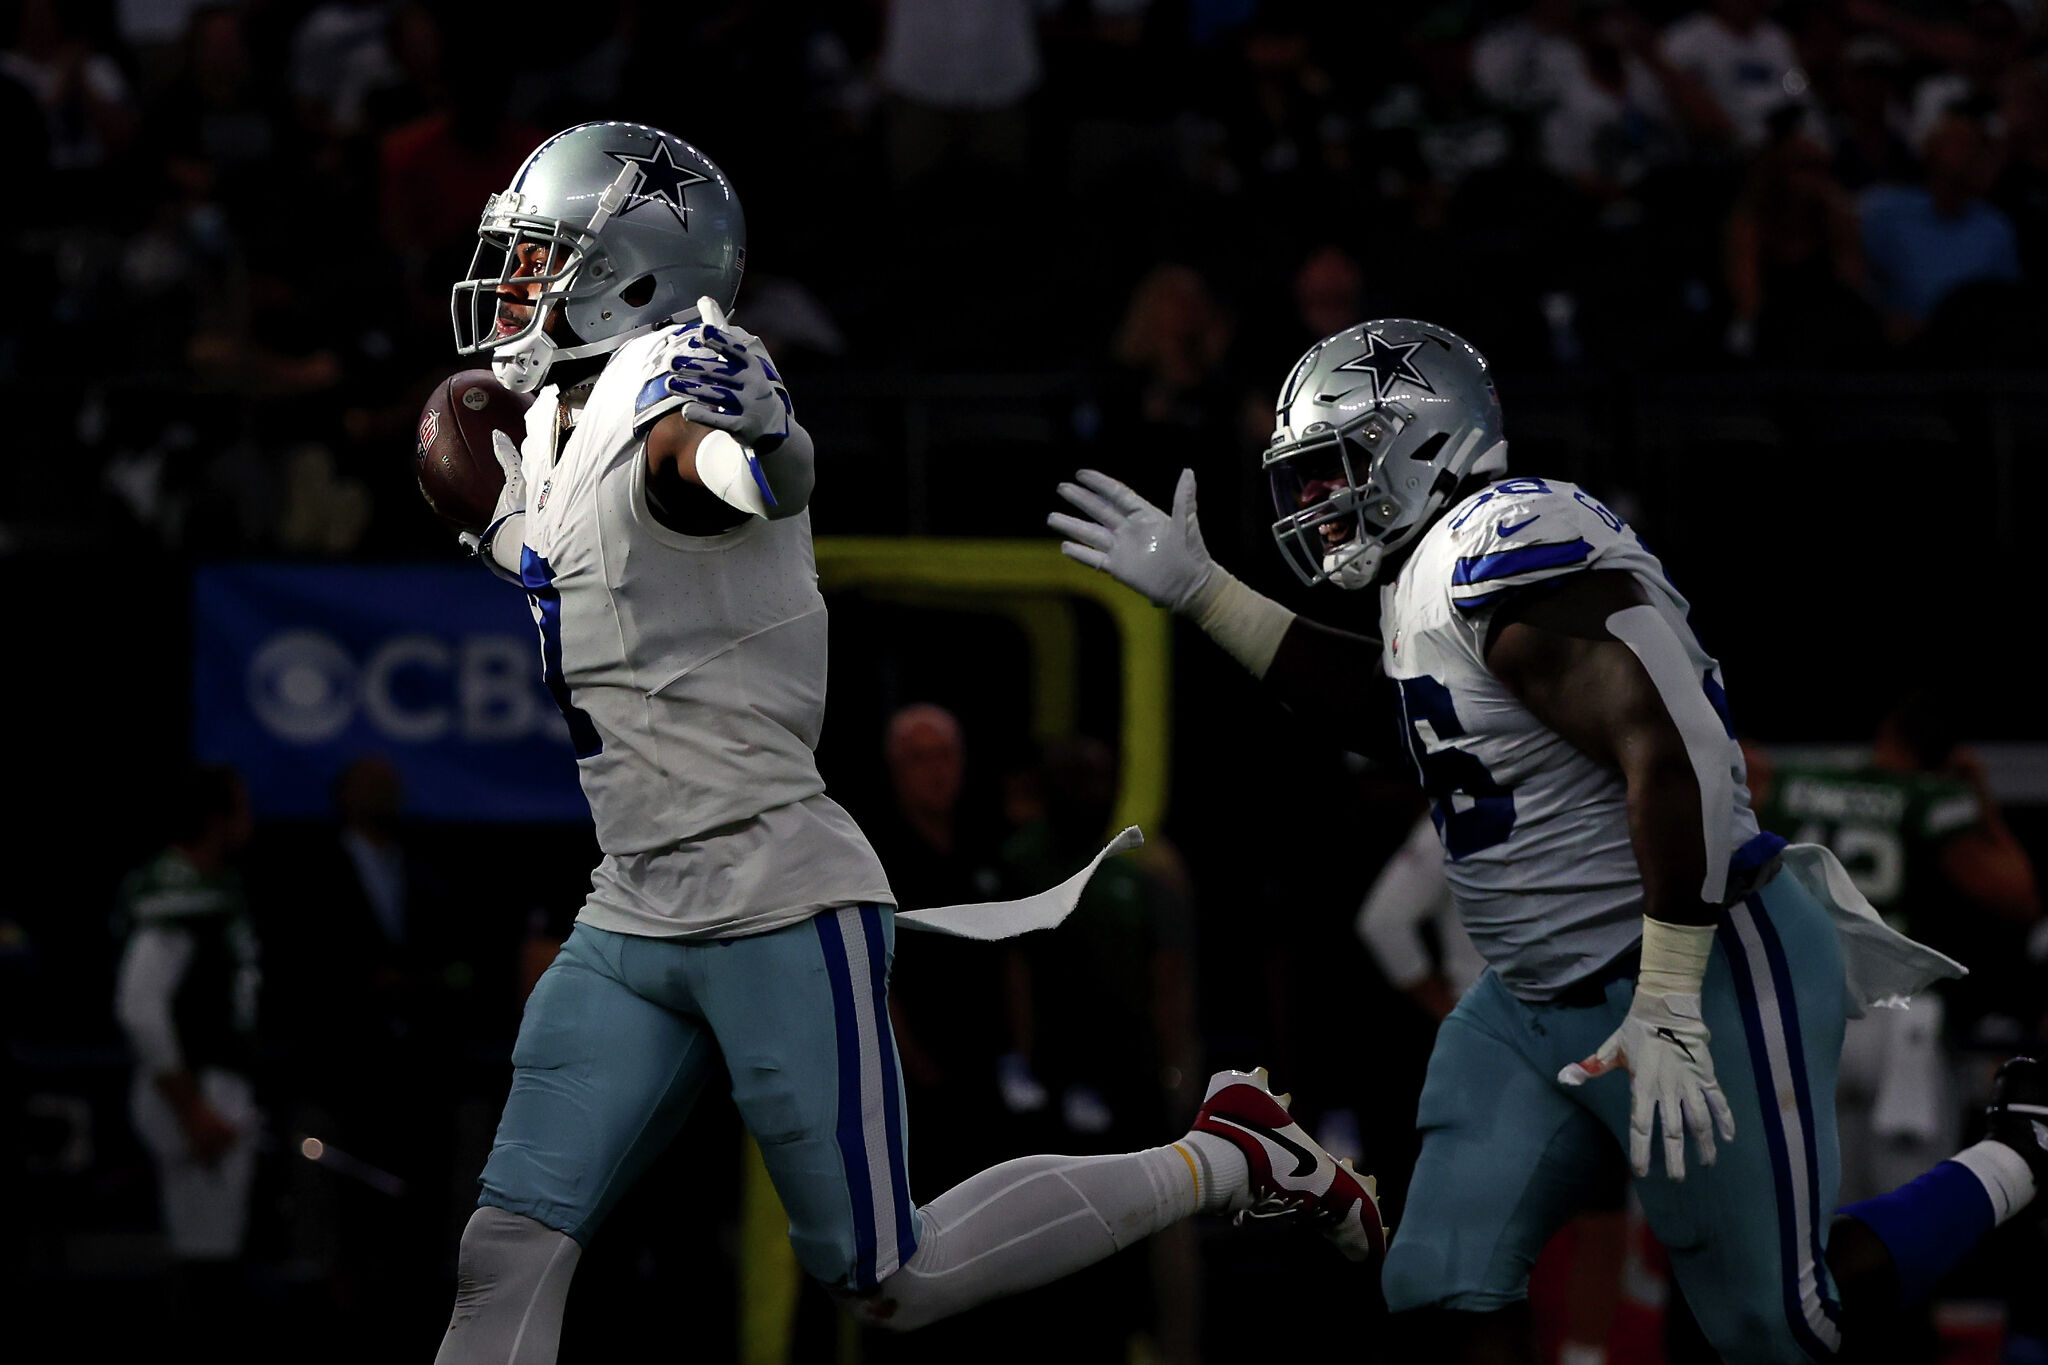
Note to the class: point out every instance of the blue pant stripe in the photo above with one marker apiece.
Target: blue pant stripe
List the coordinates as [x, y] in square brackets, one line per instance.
[1788, 1005]
[1742, 971]
[852, 1142]
[878, 973]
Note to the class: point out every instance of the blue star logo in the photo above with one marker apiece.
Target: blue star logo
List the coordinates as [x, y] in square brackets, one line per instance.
[1388, 364]
[662, 181]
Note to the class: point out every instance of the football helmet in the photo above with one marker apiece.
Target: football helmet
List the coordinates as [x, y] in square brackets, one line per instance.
[638, 225]
[1376, 428]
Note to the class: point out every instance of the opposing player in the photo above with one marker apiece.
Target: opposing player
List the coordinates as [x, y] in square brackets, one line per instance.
[656, 516]
[1539, 675]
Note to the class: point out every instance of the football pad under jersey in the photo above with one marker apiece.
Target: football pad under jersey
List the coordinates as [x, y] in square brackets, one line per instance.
[1535, 833]
[691, 670]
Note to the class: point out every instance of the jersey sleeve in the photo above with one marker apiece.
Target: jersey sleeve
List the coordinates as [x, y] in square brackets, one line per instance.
[655, 362]
[1525, 532]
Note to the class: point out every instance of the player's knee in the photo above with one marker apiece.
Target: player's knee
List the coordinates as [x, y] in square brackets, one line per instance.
[1413, 1277]
[897, 1304]
[505, 1255]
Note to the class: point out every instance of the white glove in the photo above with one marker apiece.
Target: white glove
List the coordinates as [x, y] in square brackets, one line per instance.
[1156, 553]
[512, 498]
[513, 462]
[1663, 1045]
[731, 383]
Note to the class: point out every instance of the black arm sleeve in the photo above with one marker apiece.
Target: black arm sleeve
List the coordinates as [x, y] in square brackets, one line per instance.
[1334, 680]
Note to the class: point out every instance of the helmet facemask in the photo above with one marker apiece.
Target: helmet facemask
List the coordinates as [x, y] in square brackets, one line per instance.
[1338, 516]
[575, 265]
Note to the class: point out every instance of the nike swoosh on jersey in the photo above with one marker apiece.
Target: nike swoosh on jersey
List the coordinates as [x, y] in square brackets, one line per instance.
[1504, 529]
[1305, 1160]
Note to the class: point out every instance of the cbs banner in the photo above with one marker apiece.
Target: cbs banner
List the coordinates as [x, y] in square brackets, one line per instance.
[299, 669]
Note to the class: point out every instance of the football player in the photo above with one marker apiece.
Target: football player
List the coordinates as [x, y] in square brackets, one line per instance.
[656, 515]
[1537, 672]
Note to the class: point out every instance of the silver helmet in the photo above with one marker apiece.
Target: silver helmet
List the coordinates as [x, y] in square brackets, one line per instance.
[638, 224]
[1375, 429]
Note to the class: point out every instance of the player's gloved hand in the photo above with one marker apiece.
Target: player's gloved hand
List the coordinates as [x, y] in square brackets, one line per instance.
[732, 385]
[513, 462]
[1157, 553]
[1663, 1045]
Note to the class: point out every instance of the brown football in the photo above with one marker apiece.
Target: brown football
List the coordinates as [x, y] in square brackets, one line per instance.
[458, 474]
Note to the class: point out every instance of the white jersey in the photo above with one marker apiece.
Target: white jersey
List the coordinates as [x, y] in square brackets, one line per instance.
[691, 670]
[1535, 833]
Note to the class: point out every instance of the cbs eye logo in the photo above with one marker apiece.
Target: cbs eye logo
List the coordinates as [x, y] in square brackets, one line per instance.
[302, 686]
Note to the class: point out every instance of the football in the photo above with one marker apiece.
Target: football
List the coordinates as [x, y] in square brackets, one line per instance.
[458, 475]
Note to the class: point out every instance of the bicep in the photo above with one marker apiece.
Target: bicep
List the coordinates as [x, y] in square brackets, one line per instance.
[1553, 649]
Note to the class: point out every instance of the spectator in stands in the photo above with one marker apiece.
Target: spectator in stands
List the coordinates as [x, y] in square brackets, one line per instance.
[365, 980]
[1163, 401]
[1923, 242]
[2021, 191]
[1867, 116]
[215, 128]
[186, 997]
[1524, 61]
[1972, 54]
[961, 1008]
[1434, 130]
[1113, 1033]
[87, 111]
[1746, 65]
[337, 51]
[1614, 118]
[1281, 112]
[1410, 925]
[958, 77]
[1795, 261]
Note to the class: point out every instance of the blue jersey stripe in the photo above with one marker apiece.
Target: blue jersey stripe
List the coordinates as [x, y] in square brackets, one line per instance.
[853, 1151]
[538, 577]
[892, 1101]
[1523, 559]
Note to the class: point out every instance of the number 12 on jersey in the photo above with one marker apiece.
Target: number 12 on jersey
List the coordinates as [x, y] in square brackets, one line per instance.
[1485, 815]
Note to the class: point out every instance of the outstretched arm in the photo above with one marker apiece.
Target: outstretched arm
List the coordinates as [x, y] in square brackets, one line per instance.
[1331, 678]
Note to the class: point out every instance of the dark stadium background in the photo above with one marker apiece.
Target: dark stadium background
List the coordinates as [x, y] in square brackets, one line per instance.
[228, 298]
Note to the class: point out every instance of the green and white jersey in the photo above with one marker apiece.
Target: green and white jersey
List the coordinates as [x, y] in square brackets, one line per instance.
[1886, 827]
[187, 986]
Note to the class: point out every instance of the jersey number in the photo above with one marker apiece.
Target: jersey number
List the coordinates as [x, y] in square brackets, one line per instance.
[1471, 810]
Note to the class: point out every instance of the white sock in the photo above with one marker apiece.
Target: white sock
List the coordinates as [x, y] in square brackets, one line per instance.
[1580, 1353]
[1224, 1174]
[1026, 1223]
[2004, 1173]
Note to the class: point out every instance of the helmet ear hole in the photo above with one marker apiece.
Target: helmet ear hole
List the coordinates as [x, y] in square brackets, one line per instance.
[639, 293]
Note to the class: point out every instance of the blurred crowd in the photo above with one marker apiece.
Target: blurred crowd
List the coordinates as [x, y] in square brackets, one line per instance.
[245, 216]
[989, 240]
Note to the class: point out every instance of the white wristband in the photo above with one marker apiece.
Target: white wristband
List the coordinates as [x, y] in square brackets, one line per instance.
[1674, 957]
[726, 468]
[1248, 626]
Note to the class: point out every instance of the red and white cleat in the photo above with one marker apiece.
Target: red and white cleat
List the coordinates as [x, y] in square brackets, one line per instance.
[1291, 1175]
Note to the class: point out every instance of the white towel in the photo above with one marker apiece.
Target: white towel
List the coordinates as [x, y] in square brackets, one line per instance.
[1883, 966]
[1007, 919]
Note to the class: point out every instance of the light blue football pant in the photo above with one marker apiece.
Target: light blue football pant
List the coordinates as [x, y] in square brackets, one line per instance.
[622, 1032]
[1508, 1152]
